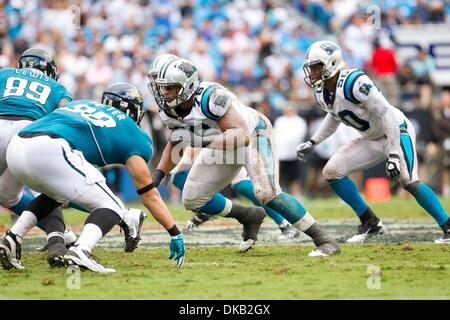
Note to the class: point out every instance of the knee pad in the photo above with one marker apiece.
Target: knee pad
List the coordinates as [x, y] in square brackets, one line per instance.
[412, 187]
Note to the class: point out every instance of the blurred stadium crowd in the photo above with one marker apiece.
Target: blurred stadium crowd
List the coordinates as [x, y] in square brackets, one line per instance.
[254, 47]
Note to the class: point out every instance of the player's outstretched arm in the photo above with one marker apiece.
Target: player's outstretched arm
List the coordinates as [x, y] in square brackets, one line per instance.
[151, 199]
[328, 126]
[170, 157]
[140, 174]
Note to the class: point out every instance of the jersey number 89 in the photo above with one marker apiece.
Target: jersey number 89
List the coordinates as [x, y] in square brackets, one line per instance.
[37, 92]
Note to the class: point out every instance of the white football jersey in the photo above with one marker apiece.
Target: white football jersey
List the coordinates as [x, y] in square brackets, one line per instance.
[359, 103]
[211, 101]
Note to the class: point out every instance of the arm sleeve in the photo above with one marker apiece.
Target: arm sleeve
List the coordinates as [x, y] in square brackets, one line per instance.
[328, 126]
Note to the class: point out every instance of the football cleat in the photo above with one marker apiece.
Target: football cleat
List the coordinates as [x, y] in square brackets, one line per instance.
[132, 226]
[445, 239]
[56, 254]
[251, 223]
[11, 251]
[288, 232]
[84, 260]
[367, 230]
[325, 250]
[246, 245]
[196, 221]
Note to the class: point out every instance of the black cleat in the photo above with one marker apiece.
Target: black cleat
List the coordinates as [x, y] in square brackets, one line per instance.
[132, 226]
[56, 254]
[366, 230]
[251, 223]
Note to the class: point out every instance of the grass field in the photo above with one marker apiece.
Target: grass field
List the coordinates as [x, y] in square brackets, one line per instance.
[395, 267]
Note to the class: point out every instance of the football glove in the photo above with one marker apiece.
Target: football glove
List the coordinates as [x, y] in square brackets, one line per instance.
[177, 250]
[304, 148]
[196, 220]
[186, 138]
[393, 166]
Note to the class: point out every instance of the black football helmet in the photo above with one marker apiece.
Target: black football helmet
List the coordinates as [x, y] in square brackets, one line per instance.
[40, 59]
[126, 98]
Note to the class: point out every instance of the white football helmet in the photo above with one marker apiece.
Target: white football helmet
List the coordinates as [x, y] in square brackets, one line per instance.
[154, 69]
[325, 57]
[177, 72]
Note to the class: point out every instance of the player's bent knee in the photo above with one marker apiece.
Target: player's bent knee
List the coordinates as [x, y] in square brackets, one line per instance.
[9, 199]
[193, 203]
[330, 172]
[412, 187]
[9, 202]
[265, 195]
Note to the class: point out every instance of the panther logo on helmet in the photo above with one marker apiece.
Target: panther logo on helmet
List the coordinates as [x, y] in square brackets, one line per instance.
[187, 68]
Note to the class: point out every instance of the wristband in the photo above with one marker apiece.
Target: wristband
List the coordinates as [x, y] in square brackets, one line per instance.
[157, 176]
[174, 231]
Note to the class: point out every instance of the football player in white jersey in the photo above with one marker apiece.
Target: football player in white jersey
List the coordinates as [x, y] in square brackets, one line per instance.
[350, 97]
[205, 114]
[241, 184]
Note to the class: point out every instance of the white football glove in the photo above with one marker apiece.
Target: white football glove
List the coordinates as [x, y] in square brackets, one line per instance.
[303, 149]
[393, 166]
[185, 137]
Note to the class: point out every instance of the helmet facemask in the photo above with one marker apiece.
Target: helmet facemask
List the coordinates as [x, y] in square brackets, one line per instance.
[45, 64]
[152, 86]
[314, 73]
[153, 74]
[168, 100]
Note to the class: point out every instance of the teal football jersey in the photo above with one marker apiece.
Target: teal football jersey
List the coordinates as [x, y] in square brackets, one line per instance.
[104, 134]
[29, 93]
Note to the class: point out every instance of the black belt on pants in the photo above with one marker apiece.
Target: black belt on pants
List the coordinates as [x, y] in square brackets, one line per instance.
[38, 134]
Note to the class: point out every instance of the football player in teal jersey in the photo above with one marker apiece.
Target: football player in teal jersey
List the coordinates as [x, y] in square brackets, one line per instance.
[58, 155]
[28, 93]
